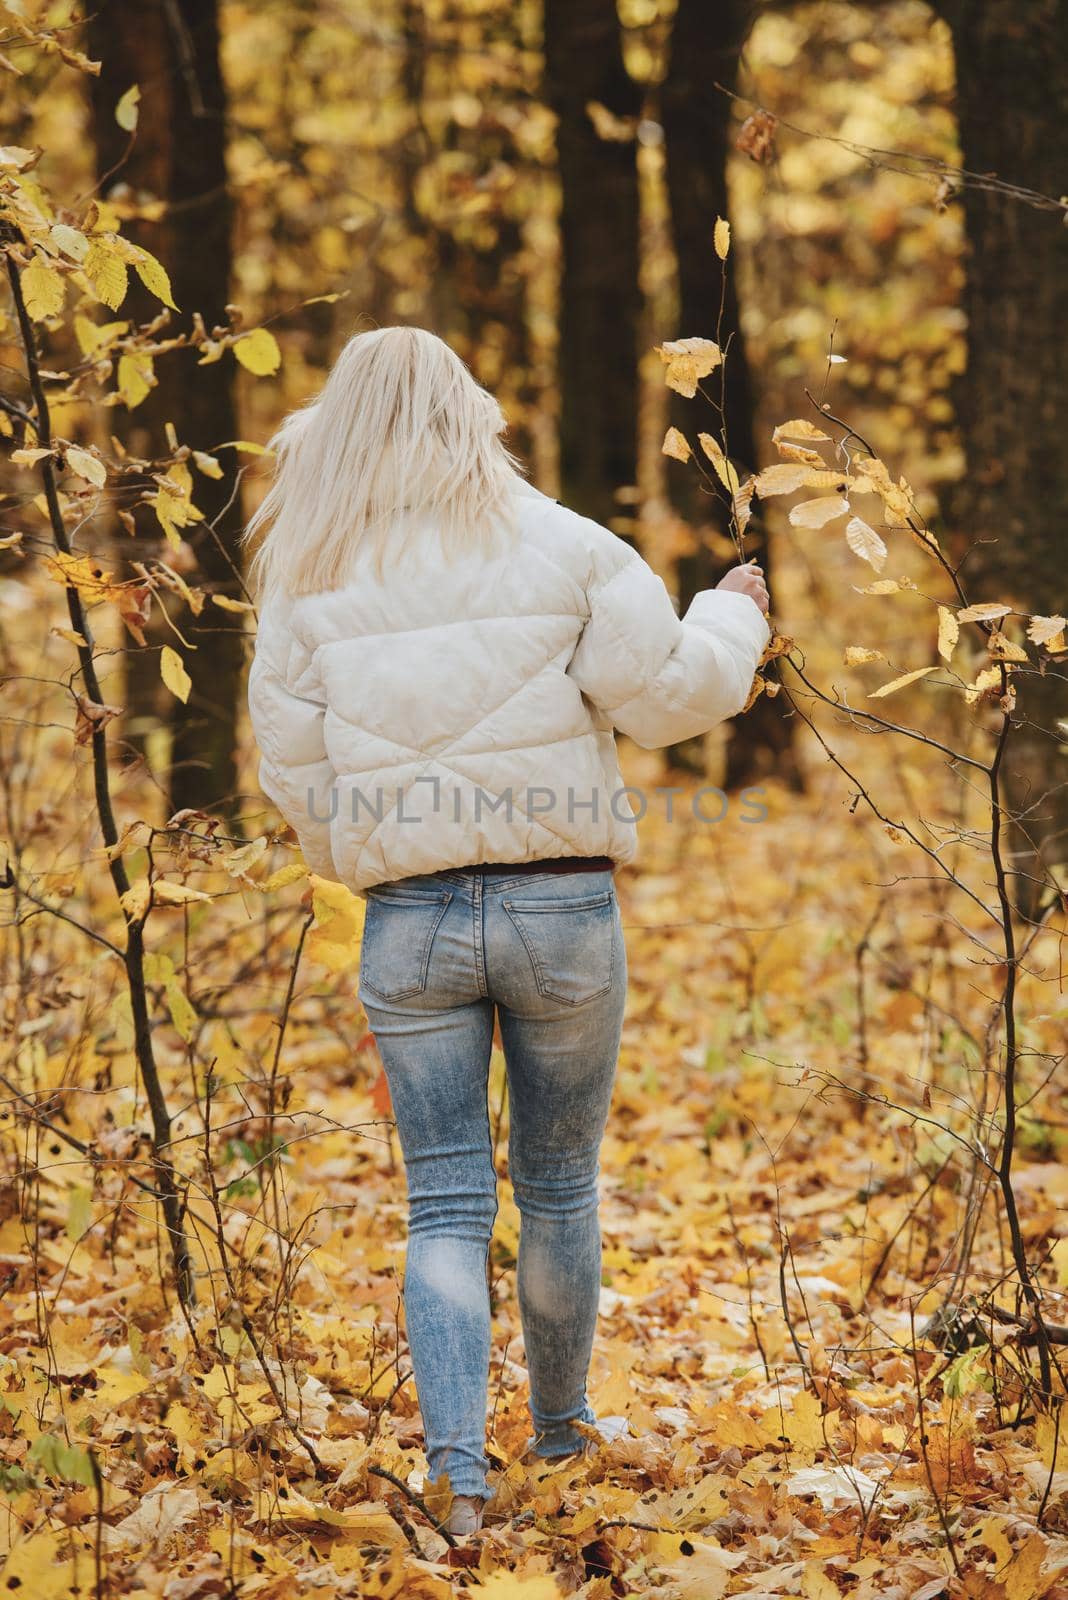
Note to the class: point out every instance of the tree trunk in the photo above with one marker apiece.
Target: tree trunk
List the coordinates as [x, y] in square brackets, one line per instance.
[706, 44]
[600, 294]
[478, 293]
[1012, 95]
[170, 48]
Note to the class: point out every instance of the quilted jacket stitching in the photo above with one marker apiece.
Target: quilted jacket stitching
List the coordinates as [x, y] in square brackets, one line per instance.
[587, 547]
[645, 684]
[466, 733]
[536, 821]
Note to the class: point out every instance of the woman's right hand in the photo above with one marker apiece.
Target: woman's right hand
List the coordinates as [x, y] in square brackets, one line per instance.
[748, 579]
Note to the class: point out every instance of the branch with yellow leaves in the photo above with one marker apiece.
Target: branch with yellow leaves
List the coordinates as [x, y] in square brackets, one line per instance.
[171, 1202]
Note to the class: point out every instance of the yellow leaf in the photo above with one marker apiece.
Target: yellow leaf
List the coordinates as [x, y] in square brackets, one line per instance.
[1002, 648]
[135, 900]
[694, 1505]
[29, 458]
[153, 274]
[17, 156]
[174, 510]
[258, 352]
[886, 586]
[207, 464]
[816, 1585]
[799, 429]
[165, 893]
[857, 654]
[81, 573]
[372, 1522]
[238, 861]
[987, 681]
[899, 683]
[676, 446]
[91, 335]
[721, 238]
[948, 632]
[127, 108]
[247, 445]
[687, 362]
[134, 836]
[988, 612]
[804, 1423]
[79, 1211]
[136, 377]
[699, 1569]
[71, 241]
[1022, 1578]
[178, 472]
[107, 274]
[731, 1427]
[43, 289]
[156, 1518]
[87, 466]
[174, 674]
[786, 477]
[1051, 1442]
[334, 937]
[865, 543]
[35, 1566]
[723, 469]
[515, 1586]
[1043, 630]
[817, 513]
[283, 877]
[226, 602]
[742, 502]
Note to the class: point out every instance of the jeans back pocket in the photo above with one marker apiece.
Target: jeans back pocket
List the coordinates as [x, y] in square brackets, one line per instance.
[398, 936]
[570, 941]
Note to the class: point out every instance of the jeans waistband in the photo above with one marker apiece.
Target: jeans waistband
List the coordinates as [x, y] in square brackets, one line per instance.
[536, 868]
[492, 878]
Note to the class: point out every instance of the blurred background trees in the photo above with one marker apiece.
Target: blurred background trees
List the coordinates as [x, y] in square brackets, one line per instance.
[1012, 397]
[539, 183]
[167, 174]
[597, 104]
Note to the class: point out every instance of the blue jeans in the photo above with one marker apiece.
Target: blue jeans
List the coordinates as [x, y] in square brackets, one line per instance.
[440, 952]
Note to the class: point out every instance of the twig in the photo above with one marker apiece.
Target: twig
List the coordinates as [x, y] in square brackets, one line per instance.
[1008, 1008]
[413, 1499]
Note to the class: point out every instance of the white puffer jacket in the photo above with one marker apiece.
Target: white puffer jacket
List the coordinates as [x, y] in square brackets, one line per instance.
[464, 714]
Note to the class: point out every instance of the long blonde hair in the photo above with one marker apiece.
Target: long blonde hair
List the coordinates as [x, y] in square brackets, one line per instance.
[399, 433]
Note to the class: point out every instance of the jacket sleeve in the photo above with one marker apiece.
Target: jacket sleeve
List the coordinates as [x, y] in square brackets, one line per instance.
[288, 712]
[658, 679]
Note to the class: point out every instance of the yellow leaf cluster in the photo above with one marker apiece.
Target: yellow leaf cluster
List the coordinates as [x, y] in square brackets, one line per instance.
[688, 361]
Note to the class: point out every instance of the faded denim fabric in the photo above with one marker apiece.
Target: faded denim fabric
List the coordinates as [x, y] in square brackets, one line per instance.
[440, 952]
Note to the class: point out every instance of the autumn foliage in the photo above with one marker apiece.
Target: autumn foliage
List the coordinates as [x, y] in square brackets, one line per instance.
[834, 1180]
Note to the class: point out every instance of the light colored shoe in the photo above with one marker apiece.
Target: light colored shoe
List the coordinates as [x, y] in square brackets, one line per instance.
[609, 1429]
[465, 1515]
